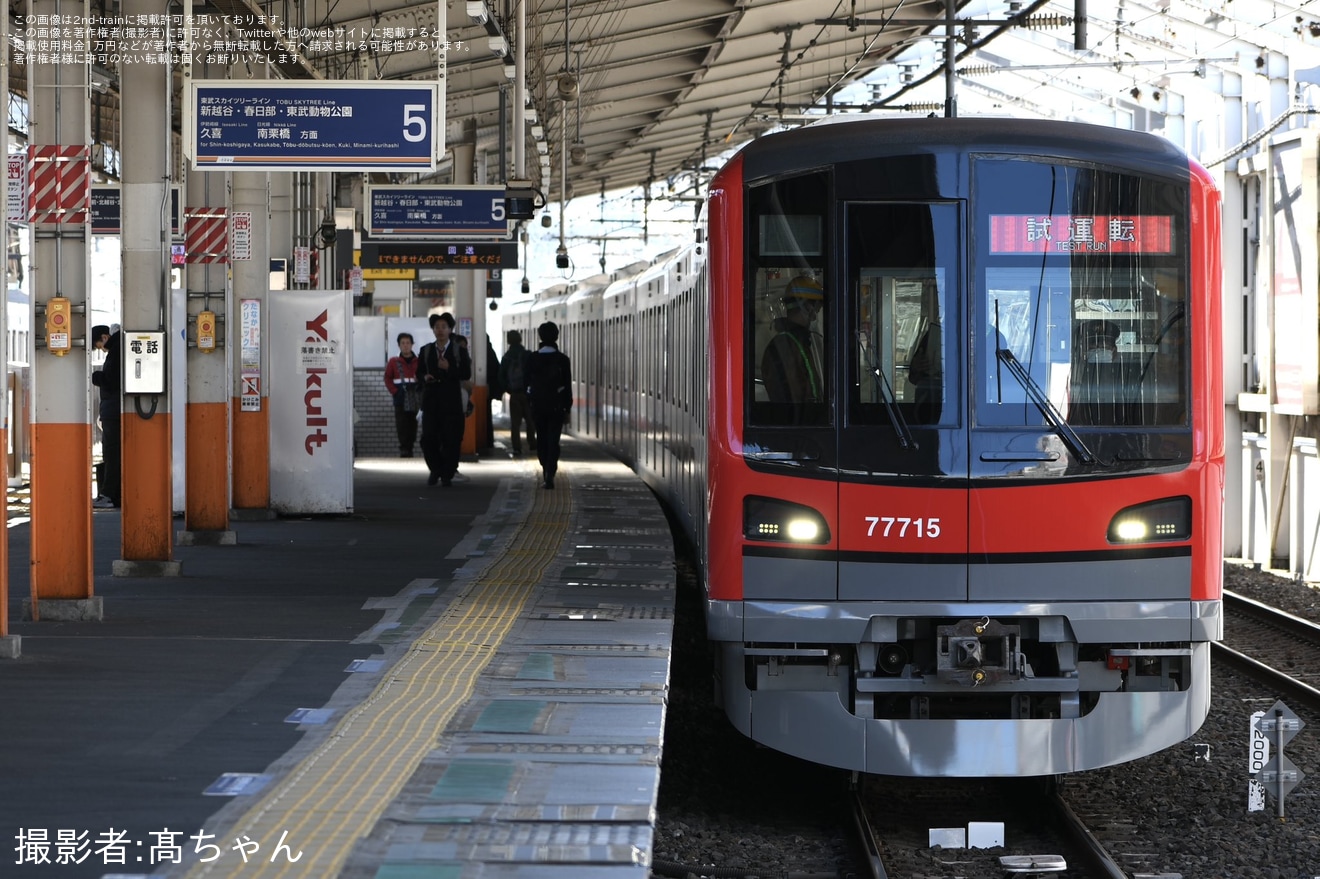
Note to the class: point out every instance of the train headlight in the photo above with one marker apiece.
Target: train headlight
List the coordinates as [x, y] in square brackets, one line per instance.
[784, 522]
[1154, 522]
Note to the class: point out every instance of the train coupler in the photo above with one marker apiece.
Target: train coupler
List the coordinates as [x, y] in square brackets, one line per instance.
[977, 652]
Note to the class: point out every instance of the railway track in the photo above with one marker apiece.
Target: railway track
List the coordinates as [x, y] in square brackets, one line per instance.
[1093, 838]
[1172, 814]
[896, 820]
[1278, 649]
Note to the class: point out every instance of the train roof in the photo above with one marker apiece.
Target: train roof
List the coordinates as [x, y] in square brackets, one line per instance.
[519, 307]
[588, 287]
[552, 295]
[859, 137]
[664, 261]
[627, 278]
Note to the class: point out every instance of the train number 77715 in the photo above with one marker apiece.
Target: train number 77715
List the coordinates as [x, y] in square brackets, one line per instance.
[923, 527]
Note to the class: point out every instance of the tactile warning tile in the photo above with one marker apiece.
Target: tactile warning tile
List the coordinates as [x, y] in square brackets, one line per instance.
[336, 794]
[552, 767]
[517, 733]
[521, 841]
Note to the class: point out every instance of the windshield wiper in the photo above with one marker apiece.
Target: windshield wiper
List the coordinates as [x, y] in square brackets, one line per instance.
[1047, 408]
[896, 419]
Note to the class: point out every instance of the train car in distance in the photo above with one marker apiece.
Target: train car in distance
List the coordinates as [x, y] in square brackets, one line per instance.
[955, 463]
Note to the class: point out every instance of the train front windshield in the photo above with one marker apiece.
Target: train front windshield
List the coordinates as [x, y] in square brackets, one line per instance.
[1074, 313]
[1081, 284]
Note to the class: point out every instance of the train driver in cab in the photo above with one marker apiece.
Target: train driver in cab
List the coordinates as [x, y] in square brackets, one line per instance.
[1097, 393]
[1100, 338]
[793, 365]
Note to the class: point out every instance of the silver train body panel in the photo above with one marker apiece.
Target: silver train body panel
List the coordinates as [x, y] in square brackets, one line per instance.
[803, 704]
[815, 725]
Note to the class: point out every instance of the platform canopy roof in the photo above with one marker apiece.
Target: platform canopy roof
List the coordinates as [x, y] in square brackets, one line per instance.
[666, 87]
[662, 85]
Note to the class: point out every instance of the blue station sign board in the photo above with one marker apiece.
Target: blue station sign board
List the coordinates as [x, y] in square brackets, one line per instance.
[437, 212]
[314, 126]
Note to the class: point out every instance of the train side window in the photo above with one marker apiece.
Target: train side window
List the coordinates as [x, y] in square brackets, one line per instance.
[790, 377]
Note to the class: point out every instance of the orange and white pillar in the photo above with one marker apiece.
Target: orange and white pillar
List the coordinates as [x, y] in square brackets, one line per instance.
[146, 421]
[11, 645]
[61, 575]
[206, 507]
[206, 428]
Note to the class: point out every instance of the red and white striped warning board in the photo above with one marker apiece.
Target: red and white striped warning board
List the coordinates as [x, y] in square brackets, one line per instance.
[61, 183]
[206, 234]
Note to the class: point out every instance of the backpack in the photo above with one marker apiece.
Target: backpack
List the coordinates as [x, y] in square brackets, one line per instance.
[546, 383]
[517, 375]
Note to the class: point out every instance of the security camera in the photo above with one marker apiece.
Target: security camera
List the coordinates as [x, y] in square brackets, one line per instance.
[526, 287]
[546, 221]
[561, 260]
[327, 232]
[520, 200]
[494, 306]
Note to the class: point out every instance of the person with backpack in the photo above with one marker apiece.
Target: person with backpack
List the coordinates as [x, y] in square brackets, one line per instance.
[513, 378]
[550, 389]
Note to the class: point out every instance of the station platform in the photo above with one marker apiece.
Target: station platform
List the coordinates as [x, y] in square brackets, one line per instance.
[449, 682]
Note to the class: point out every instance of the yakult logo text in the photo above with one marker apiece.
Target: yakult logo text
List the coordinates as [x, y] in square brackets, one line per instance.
[318, 341]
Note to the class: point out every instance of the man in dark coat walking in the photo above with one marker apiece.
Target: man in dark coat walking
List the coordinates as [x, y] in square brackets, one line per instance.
[550, 390]
[442, 369]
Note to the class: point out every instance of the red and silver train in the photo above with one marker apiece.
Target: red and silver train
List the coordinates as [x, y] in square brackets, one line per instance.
[939, 400]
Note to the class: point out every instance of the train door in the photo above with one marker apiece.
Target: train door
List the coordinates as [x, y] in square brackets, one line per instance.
[902, 444]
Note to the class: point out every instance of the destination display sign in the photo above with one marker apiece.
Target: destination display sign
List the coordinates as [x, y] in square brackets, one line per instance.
[435, 255]
[1080, 234]
[437, 211]
[314, 126]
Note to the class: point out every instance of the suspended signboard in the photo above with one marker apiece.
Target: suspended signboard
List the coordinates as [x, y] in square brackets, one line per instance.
[314, 126]
[438, 255]
[420, 212]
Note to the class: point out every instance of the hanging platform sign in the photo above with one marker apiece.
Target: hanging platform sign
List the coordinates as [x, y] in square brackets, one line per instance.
[314, 126]
[437, 255]
[420, 212]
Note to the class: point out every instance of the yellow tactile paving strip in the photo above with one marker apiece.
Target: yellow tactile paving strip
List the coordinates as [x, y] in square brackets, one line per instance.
[336, 794]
